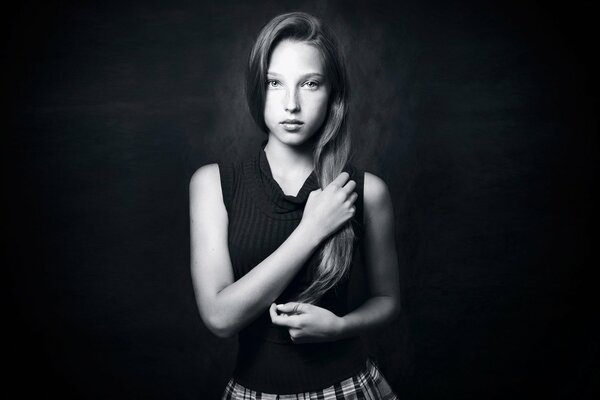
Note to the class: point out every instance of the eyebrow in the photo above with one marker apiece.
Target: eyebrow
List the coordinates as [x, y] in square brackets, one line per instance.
[302, 77]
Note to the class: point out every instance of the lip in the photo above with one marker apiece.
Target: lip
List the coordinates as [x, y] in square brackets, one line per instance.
[291, 127]
[292, 122]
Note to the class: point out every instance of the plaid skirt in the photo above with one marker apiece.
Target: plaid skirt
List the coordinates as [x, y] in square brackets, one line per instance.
[368, 384]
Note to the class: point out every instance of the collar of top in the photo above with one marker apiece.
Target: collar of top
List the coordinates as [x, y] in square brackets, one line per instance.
[280, 203]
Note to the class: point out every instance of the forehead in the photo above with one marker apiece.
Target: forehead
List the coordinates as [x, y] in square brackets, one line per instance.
[292, 57]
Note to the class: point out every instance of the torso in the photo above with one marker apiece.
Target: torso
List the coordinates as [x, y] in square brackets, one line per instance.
[261, 216]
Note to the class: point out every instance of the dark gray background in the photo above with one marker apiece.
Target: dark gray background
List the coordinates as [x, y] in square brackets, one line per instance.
[480, 118]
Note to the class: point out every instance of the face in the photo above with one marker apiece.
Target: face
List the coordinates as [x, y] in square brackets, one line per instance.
[297, 92]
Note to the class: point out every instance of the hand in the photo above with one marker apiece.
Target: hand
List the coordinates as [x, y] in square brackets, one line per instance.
[306, 322]
[327, 209]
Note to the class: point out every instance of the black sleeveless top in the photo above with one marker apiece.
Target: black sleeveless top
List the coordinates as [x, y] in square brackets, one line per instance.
[261, 218]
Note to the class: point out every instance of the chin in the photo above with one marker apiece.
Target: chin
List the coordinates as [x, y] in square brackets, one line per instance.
[293, 138]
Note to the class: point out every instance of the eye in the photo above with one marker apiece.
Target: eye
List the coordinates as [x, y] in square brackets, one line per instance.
[312, 84]
[272, 83]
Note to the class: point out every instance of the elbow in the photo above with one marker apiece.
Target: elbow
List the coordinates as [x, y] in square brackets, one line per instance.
[219, 327]
[396, 308]
[215, 317]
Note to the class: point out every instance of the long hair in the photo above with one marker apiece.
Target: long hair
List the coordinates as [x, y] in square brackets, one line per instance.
[332, 147]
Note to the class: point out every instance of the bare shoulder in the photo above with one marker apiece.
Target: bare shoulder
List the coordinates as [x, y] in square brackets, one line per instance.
[376, 191]
[205, 185]
[205, 175]
[377, 199]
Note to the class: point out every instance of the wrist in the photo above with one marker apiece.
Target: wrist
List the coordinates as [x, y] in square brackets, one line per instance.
[309, 235]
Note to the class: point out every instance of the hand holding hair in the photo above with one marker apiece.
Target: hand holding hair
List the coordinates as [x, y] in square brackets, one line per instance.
[306, 322]
[328, 209]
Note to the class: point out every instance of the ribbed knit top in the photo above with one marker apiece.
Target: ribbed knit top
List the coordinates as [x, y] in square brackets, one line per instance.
[261, 218]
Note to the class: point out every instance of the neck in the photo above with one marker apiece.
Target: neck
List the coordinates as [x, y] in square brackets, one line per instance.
[289, 161]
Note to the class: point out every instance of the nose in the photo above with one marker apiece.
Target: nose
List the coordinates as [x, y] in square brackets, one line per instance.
[291, 102]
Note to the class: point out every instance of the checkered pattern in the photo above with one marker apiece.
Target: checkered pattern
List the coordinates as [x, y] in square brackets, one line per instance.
[368, 384]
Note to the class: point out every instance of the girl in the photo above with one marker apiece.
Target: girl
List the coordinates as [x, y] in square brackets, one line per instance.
[275, 236]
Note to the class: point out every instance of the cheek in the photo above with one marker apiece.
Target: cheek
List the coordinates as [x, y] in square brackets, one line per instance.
[319, 107]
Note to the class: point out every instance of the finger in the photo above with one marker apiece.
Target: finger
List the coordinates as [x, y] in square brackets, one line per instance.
[272, 311]
[349, 187]
[341, 179]
[281, 319]
[352, 198]
[295, 334]
[291, 308]
[289, 321]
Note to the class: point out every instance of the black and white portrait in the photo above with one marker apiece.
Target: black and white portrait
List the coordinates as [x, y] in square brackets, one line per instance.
[315, 199]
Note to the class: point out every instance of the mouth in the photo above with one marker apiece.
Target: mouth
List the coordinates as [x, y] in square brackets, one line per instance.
[292, 122]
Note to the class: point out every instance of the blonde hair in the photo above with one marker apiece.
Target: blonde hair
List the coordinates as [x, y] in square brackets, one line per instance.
[332, 148]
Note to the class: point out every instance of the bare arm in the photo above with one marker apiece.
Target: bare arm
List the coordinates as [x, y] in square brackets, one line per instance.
[382, 263]
[309, 323]
[225, 305]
